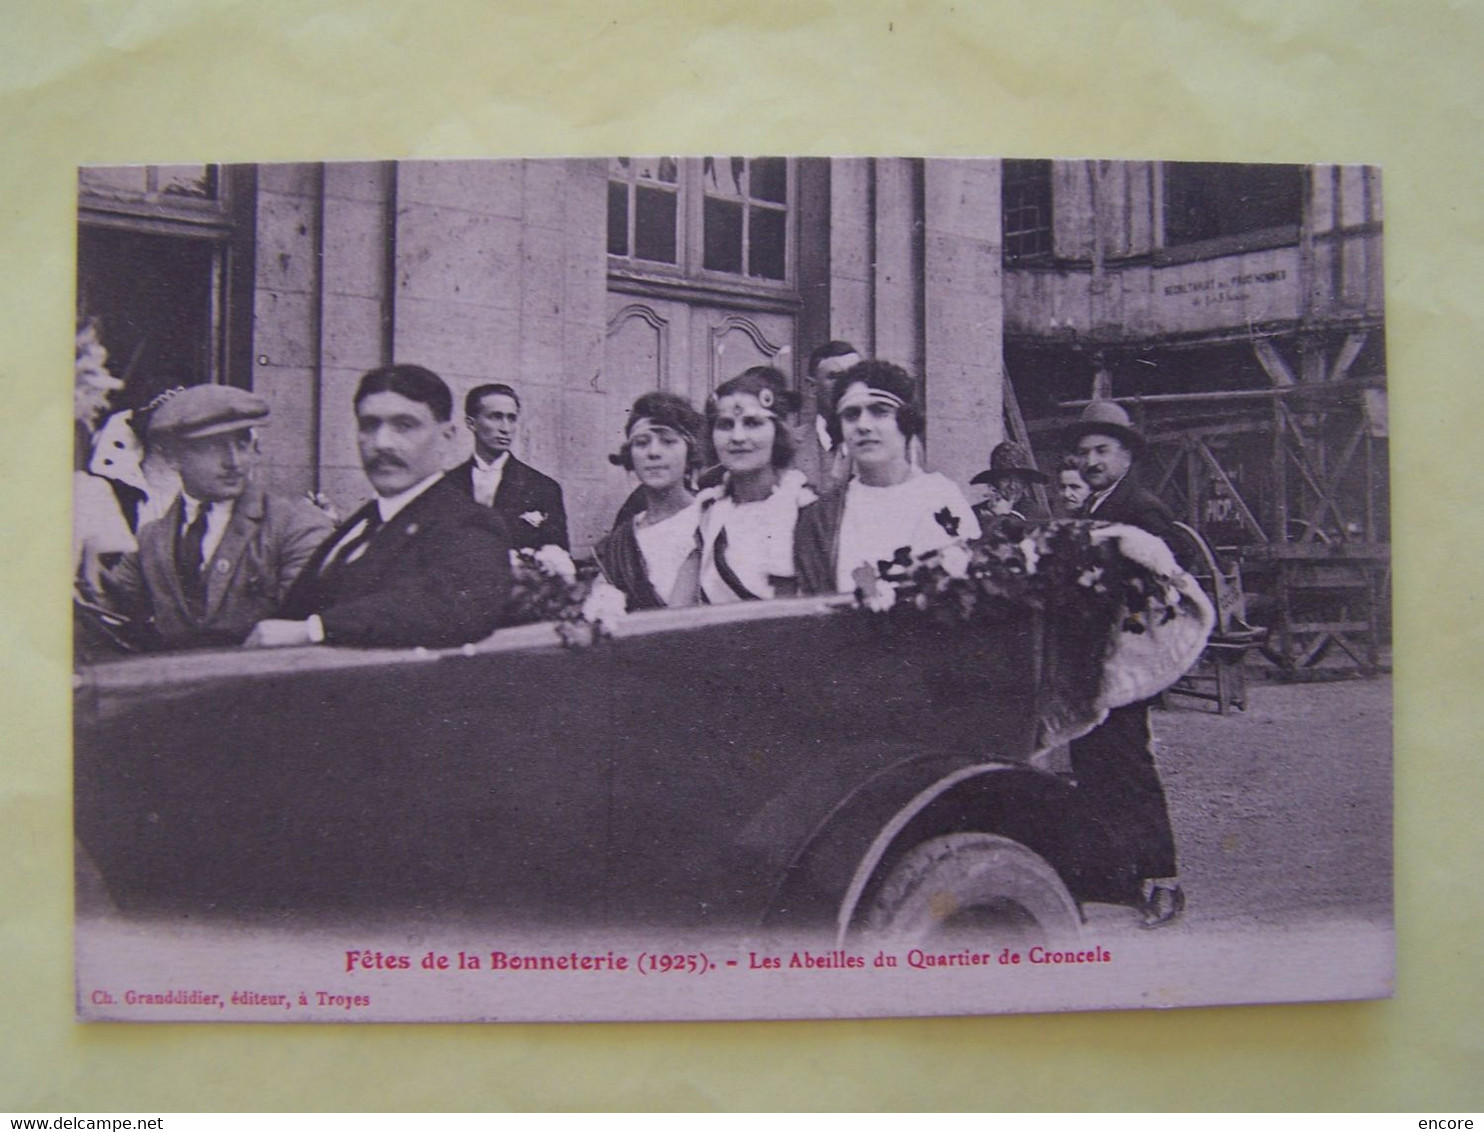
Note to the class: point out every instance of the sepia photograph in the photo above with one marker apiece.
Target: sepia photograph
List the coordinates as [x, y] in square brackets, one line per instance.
[729, 587]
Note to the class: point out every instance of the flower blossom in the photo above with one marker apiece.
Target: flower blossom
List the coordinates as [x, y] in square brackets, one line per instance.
[955, 560]
[604, 605]
[557, 562]
[1032, 552]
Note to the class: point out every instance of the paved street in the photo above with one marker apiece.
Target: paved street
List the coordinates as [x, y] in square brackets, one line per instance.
[1283, 812]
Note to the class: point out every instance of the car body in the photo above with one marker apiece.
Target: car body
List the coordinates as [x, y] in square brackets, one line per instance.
[760, 765]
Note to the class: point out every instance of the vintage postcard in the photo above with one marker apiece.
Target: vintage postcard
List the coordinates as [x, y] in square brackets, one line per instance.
[729, 587]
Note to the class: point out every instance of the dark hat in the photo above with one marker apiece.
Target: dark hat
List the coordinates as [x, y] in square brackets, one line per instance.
[1105, 418]
[1010, 461]
[206, 410]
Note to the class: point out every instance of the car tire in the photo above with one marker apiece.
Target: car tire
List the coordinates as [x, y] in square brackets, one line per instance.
[976, 885]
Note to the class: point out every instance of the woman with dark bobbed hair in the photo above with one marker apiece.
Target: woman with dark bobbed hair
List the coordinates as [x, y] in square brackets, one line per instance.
[653, 554]
[890, 502]
[747, 521]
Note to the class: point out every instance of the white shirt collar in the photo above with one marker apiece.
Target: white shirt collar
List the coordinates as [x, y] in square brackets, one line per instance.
[218, 511]
[1098, 497]
[481, 465]
[218, 515]
[192, 506]
[390, 505]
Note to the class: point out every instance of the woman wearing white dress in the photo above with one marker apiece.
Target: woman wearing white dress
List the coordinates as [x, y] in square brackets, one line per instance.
[747, 521]
[654, 555]
[890, 504]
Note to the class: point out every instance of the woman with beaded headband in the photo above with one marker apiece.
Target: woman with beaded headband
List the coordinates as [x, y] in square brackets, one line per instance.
[747, 521]
[890, 502]
[653, 554]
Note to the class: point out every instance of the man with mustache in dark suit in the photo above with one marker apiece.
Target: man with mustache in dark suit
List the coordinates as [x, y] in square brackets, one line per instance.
[421, 564]
[1114, 763]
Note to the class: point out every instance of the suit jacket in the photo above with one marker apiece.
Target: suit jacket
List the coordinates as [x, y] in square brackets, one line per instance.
[268, 540]
[523, 495]
[1129, 503]
[437, 575]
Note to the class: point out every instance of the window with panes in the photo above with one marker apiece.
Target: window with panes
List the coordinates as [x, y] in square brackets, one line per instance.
[163, 270]
[1207, 200]
[722, 219]
[1025, 204]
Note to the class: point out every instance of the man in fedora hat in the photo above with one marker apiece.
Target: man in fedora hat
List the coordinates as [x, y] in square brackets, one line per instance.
[225, 552]
[1008, 482]
[1114, 765]
[1107, 446]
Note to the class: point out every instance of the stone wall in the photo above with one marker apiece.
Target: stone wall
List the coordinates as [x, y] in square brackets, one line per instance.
[497, 271]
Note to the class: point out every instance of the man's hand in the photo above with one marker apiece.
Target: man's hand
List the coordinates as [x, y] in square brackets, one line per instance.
[275, 634]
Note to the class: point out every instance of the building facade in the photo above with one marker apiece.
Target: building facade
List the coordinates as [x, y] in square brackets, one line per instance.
[1236, 310]
[582, 283]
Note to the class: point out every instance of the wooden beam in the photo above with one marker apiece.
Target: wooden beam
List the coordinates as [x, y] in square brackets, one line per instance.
[1248, 519]
[1273, 363]
[1354, 344]
[1022, 436]
[1332, 481]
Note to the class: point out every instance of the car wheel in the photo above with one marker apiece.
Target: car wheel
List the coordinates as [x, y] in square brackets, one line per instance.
[973, 885]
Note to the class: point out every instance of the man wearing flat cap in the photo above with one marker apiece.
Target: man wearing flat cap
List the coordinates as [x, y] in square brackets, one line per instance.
[225, 552]
[1114, 763]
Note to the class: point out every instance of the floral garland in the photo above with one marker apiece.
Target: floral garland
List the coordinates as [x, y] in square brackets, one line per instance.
[546, 585]
[1103, 573]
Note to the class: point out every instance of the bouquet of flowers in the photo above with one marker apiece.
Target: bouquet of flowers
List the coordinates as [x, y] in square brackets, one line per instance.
[546, 585]
[1100, 573]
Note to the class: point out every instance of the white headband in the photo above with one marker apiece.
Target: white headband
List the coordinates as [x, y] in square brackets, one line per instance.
[862, 394]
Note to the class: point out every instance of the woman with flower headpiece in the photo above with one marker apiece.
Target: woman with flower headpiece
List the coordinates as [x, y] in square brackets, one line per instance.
[890, 505]
[747, 521]
[653, 555]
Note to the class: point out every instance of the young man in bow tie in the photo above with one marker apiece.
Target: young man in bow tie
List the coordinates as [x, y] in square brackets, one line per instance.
[493, 477]
[421, 564]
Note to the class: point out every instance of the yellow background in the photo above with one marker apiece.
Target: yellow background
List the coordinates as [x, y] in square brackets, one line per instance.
[1259, 80]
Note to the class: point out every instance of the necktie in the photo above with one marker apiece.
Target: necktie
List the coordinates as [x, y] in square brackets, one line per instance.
[354, 546]
[188, 560]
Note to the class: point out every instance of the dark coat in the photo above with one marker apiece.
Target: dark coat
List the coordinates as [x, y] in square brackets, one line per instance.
[523, 494]
[266, 544]
[1129, 503]
[817, 542]
[623, 564]
[437, 575]
[1117, 780]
